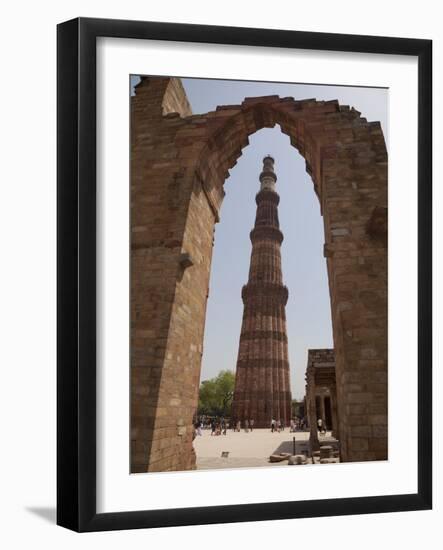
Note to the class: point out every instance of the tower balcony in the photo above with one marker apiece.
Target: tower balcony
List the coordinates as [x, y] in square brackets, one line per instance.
[257, 290]
[266, 232]
[267, 195]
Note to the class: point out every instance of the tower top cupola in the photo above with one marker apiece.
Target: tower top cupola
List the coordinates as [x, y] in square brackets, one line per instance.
[267, 177]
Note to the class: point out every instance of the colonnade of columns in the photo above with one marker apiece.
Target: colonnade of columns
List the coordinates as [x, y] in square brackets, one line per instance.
[321, 394]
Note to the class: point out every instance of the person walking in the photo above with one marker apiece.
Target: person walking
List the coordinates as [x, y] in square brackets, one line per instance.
[238, 425]
[246, 425]
[320, 425]
[272, 426]
[251, 424]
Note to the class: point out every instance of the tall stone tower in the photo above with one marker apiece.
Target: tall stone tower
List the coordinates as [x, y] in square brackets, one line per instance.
[262, 386]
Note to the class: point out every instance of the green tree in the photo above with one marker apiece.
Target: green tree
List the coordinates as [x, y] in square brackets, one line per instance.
[215, 395]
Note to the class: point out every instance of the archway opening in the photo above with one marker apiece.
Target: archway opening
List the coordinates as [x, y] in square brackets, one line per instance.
[308, 311]
[304, 265]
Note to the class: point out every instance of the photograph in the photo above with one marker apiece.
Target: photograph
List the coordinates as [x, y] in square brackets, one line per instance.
[203, 287]
[258, 274]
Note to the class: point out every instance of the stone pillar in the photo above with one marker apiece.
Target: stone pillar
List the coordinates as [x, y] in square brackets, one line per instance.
[322, 410]
[262, 385]
[334, 412]
[312, 412]
[161, 271]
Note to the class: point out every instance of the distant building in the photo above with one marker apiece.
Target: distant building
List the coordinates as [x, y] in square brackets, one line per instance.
[321, 392]
[298, 408]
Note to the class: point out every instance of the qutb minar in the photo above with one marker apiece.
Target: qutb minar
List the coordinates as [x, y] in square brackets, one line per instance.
[262, 384]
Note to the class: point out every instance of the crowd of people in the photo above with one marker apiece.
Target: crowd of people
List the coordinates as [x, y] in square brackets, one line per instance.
[220, 425]
[217, 425]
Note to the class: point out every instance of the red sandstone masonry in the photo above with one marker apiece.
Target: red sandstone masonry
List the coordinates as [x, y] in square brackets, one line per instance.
[262, 390]
[179, 163]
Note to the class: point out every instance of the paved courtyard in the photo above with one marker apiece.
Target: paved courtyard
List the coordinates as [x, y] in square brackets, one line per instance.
[247, 449]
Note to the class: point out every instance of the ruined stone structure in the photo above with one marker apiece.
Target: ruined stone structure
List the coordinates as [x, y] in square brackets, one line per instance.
[321, 393]
[179, 163]
[262, 386]
[299, 408]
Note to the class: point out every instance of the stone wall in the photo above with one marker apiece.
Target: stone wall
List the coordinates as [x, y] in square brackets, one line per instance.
[179, 163]
[164, 374]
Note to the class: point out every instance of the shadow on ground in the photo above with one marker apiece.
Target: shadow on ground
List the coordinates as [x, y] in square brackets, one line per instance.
[301, 447]
[46, 513]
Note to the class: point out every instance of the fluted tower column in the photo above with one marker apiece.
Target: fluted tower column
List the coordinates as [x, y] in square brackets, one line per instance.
[262, 383]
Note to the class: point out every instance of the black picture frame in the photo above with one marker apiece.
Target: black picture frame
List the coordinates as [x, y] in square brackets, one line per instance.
[76, 274]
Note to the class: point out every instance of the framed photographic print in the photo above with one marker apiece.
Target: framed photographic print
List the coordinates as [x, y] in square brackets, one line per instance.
[244, 274]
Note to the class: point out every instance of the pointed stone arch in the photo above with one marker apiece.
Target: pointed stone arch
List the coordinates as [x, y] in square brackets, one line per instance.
[179, 164]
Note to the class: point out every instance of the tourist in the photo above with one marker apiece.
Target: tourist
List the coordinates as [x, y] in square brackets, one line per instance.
[320, 425]
[246, 425]
[238, 425]
[282, 426]
[272, 426]
[292, 426]
[213, 426]
[251, 423]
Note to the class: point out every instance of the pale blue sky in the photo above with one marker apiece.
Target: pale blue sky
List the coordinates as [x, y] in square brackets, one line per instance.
[304, 267]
